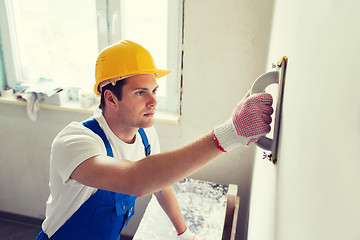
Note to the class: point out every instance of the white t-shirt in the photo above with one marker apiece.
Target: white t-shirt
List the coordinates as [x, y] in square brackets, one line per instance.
[73, 145]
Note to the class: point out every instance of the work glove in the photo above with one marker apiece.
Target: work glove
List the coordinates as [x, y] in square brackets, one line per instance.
[250, 121]
[188, 235]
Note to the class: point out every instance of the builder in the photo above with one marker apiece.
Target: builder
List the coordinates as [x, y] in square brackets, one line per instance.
[100, 166]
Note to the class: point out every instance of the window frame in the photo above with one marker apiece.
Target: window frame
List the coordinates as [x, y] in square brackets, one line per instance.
[109, 31]
[10, 50]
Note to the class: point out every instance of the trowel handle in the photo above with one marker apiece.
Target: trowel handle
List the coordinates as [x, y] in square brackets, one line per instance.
[259, 86]
[264, 81]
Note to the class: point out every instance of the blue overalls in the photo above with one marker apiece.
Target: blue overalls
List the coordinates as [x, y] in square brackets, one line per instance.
[104, 214]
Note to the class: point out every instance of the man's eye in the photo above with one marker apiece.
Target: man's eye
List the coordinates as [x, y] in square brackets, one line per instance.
[154, 91]
[140, 93]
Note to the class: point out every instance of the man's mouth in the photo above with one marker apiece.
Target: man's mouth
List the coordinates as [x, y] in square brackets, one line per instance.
[149, 114]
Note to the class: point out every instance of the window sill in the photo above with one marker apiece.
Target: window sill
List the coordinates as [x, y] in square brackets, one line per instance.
[72, 106]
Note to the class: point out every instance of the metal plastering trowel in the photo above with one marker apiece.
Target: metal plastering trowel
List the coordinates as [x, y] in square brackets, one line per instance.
[277, 75]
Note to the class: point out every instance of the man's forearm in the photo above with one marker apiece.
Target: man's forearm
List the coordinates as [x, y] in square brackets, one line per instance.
[162, 170]
[169, 204]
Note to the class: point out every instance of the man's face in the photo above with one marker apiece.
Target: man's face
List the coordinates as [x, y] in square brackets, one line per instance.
[137, 105]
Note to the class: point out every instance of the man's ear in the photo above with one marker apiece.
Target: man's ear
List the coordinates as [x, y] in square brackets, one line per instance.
[110, 98]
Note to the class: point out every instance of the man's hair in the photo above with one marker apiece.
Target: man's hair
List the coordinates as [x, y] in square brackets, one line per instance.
[116, 90]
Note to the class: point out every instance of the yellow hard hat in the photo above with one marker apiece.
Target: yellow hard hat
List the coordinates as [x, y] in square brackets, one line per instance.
[122, 60]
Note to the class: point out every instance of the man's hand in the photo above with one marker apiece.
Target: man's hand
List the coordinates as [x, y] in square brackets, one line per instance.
[188, 235]
[250, 121]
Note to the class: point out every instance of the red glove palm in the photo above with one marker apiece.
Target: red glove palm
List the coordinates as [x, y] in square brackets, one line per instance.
[250, 121]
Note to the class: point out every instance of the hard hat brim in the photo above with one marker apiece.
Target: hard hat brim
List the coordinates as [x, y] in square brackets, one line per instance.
[157, 72]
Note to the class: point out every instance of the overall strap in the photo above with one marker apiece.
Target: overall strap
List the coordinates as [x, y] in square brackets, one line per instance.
[94, 126]
[145, 141]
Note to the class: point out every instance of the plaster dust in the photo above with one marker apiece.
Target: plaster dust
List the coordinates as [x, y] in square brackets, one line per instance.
[203, 205]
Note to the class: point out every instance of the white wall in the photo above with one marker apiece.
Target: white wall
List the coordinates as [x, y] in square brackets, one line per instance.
[226, 46]
[314, 190]
[24, 157]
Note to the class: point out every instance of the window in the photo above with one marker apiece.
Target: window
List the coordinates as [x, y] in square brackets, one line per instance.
[59, 40]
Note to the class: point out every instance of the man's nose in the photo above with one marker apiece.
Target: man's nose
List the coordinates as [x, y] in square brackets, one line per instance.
[152, 101]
